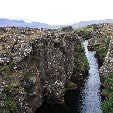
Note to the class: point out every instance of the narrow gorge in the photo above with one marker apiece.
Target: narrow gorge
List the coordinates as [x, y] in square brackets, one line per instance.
[90, 97]
[55, 70]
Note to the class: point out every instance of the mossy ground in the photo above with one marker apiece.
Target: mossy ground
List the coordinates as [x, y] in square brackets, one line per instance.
[107, 105]
[102, 48]
[85, 33]
[102, 37]
[81, 63]
[13, 78]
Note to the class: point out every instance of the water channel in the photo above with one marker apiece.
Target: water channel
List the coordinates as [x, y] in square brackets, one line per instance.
[88, 98]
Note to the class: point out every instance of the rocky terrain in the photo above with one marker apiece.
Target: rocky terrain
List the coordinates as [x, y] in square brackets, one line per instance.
[102, 43]
[38, 64]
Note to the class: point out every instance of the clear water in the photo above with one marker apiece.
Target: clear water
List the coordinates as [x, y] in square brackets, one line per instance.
[85, 100]
[89, 99]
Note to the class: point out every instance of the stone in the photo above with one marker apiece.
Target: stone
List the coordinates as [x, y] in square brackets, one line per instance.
[44, 61]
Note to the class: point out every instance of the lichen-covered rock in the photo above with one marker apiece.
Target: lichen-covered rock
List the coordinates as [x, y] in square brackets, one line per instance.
[106, 72]
[86, 32]
[102, 43]
[107, 66]
[100, 40]
[36, 64]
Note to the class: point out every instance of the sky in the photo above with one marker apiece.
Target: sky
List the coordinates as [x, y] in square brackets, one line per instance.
[56, 12]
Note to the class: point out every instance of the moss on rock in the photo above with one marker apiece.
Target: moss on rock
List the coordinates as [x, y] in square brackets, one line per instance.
[107, 105]
[81, 63]
[85, 33]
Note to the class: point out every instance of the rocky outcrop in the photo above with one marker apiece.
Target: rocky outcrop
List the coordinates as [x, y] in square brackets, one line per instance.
[105, 51]
[36, 64]
[86, 32]
[106, 73]
[100, 41]
[108, 63]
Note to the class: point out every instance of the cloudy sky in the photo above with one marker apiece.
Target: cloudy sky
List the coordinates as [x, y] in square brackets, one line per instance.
[56, 11]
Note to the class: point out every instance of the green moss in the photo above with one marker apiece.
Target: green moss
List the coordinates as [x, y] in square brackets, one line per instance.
[107, 105]
[85, 32]
[81, 63]
[26, 73]
[7, 89]
[102, 49]
[7, 70]
[10, 104]
[8, 67]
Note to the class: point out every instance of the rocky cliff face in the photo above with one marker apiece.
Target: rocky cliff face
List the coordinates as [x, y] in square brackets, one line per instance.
[102, 43]
[38, 64]
[100, 40]
[108, 63]
[106, 73]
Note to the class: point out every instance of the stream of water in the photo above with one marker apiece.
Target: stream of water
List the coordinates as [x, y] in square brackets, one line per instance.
[89, 97]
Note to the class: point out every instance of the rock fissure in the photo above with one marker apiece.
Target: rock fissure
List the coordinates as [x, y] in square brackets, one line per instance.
[38, 63]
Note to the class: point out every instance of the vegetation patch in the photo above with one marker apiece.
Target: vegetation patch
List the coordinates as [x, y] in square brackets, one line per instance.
[12, 78]
[9, 104]
[81, 63]
[107, 105]
[102, 48]
[86, 32]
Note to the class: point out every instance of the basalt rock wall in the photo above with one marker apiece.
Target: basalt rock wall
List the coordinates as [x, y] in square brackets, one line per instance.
[36, 64]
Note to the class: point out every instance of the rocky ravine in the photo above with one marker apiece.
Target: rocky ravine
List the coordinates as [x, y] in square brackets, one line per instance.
[37, 64]
[102, 43]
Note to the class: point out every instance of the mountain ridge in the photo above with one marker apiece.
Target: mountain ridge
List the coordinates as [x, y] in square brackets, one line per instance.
[21, 23]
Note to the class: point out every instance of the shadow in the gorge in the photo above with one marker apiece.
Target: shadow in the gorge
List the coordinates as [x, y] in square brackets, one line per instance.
[71, 100]
[46, 108]
[71, 104]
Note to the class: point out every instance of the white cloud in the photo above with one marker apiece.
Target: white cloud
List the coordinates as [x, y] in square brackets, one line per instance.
[56, 11]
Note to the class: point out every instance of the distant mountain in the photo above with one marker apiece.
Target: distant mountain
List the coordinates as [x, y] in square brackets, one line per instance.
[21, 23]
[85, 23]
